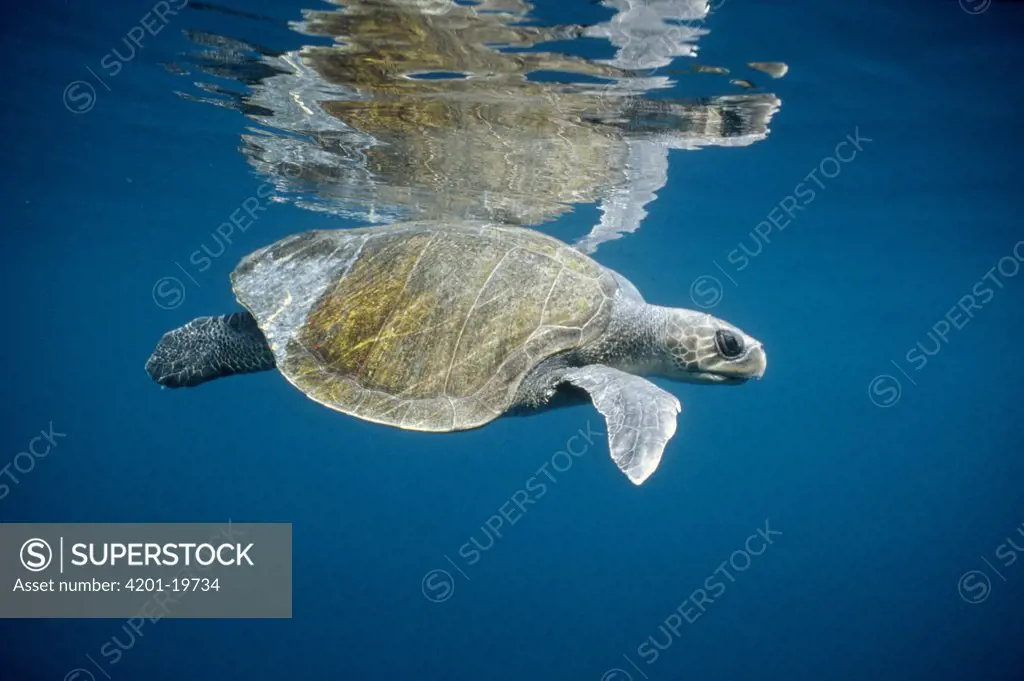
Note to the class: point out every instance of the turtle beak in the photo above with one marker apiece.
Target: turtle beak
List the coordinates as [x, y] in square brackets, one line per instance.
[752, 365]
[757, 361]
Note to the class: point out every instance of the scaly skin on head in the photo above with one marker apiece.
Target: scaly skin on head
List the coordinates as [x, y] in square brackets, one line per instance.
[699, 348]
[676, 343]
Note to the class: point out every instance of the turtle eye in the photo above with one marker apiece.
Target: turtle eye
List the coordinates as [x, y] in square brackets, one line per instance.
[729, 344]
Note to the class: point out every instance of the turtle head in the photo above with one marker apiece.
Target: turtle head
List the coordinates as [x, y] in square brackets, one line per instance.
[699, 348]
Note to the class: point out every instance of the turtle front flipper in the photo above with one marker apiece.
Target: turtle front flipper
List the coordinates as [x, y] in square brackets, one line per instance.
[641, 417]
[207, 348]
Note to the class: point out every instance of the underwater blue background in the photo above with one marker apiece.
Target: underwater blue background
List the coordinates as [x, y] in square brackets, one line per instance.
[882, 509]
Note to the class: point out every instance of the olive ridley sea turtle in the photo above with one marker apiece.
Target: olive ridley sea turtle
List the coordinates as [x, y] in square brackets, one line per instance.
[442, 327]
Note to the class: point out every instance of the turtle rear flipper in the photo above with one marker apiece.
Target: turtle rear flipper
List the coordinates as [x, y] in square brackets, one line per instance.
[207, 348]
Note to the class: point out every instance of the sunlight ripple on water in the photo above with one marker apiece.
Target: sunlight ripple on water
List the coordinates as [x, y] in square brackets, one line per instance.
[431, 109]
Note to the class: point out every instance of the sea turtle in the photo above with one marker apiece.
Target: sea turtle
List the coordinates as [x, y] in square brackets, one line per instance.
[442, 327]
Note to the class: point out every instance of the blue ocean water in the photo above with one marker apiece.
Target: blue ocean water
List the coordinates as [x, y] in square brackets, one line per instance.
[876, 467]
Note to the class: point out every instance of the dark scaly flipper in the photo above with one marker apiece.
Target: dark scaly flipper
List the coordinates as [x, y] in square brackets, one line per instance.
[207, 348]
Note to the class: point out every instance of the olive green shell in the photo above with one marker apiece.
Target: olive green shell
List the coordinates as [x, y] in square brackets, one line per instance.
[421, 325]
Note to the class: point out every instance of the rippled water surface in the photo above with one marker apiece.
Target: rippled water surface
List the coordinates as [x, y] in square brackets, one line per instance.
[839, 180]
[439, 110]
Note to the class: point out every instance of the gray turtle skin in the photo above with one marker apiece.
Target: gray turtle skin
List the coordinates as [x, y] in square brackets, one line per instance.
[444, 327]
